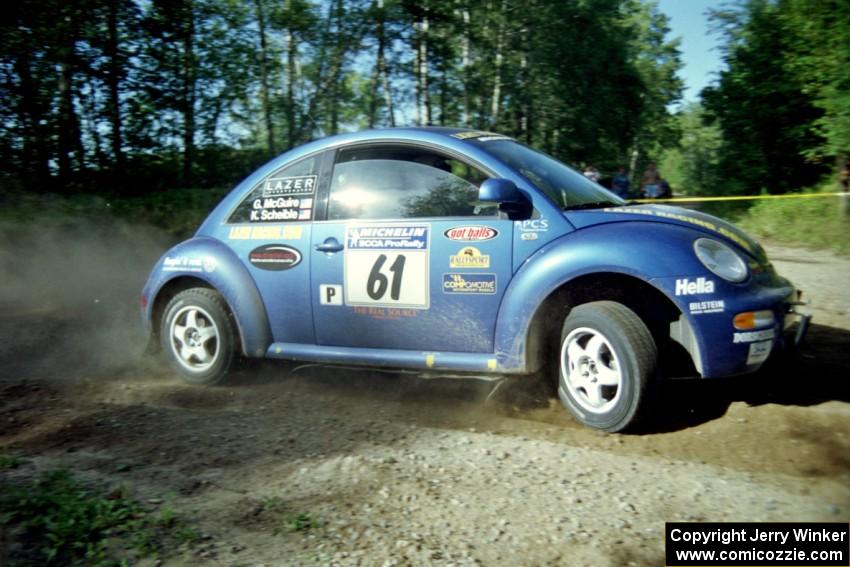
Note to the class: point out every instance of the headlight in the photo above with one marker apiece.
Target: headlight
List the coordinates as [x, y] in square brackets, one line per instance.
[720, 259]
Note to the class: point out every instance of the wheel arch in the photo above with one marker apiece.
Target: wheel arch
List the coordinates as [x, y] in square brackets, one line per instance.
[652, 305]
[227, 276]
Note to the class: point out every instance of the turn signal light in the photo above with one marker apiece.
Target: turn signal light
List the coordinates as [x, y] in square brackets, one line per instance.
[753, 319]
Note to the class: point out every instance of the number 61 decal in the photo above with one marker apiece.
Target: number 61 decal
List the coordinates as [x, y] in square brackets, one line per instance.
[387, 266]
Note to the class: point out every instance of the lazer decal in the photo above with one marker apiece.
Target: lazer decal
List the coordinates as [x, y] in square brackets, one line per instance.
[684, 286]
[471, 233]
[265, 232]
[470, 257]
[330, 294]
[274, 257]
[188, 264]
[701, 307]
[759, 352]
[470, 284]
[387, 265]
[753, 336]
[299, 185]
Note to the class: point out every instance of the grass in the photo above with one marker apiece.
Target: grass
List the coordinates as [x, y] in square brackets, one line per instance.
[815, 223]
[58, 520]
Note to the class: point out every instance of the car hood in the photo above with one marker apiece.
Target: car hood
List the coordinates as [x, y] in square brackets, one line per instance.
[671, 215]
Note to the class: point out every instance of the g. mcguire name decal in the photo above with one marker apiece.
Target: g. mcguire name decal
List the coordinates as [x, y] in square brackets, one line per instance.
[274, 257]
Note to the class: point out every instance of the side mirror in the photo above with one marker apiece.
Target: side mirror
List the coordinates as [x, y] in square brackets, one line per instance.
[500, 191]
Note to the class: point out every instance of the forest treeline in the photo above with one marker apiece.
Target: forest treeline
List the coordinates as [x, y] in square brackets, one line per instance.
[777, 119]
[143, 95]
[133, 96]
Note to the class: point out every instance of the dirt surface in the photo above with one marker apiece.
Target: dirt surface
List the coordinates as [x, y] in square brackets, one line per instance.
[394, 469]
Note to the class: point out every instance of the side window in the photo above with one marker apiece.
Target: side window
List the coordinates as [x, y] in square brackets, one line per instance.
[288, 194]
[399, 182]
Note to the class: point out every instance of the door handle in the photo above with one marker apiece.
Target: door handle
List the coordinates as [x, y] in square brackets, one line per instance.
[329, 246]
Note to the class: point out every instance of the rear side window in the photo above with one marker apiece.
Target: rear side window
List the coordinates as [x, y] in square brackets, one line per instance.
[287, 195]
[403, 182]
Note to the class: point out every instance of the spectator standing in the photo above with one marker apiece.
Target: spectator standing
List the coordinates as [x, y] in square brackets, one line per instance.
[591, 173]
[650, 184]
[620, 183]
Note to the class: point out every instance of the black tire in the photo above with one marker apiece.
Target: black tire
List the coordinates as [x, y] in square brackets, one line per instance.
[608, 343]
[198, 324]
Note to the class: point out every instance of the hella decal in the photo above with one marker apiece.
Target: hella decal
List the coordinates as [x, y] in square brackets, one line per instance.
[684, 286]
[471, 233]
[274, 257]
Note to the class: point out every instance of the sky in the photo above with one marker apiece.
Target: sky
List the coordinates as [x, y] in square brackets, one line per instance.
[700, 53]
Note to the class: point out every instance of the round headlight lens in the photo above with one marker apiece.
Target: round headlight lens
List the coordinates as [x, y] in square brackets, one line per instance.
[720, 259]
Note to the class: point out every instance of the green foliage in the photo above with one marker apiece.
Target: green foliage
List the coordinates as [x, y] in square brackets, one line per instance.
[817, 222]
[10, 462]
[58, 520]
[763, 104]
[302, 522]
[691, 167]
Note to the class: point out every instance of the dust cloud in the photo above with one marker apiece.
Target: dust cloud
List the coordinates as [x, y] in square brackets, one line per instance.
[69, 296]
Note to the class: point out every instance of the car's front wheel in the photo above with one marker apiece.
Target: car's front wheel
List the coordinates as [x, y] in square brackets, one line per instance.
[607, 361]
[198, 336]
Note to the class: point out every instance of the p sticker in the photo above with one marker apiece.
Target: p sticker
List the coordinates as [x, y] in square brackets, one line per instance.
[330, 294]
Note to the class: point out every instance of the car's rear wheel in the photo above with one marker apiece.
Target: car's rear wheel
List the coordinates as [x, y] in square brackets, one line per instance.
[198, 336]
[607, 360]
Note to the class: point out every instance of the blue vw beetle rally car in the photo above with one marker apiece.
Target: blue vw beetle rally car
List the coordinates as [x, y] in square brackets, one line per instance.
[461, 251]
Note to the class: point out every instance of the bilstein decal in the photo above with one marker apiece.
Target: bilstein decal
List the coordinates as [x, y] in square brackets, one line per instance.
[274, 257]
[471, 233]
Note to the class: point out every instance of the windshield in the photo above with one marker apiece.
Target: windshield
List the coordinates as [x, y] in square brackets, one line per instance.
[565, 186]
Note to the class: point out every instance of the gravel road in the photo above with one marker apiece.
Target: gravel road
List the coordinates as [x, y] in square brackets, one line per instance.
[397, 470]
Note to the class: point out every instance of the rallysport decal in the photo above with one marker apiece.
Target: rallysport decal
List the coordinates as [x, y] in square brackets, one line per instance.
[470, 257]
[469, 284]
[471, 233]
[386, 265]
[274, 257]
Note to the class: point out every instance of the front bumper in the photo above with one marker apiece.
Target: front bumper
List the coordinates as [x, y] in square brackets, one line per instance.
[720, 349]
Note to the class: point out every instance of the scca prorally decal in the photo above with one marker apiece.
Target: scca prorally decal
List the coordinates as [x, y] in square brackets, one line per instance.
[469, 284]
[700, 307]
[274, 257]
[684, 286]
[471, 233]
[753, 336]
[283, 186]
[387, 238]
[469, 257]
[386, 265]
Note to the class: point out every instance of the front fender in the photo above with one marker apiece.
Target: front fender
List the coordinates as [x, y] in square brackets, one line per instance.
[213, 262]
[634, 249]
